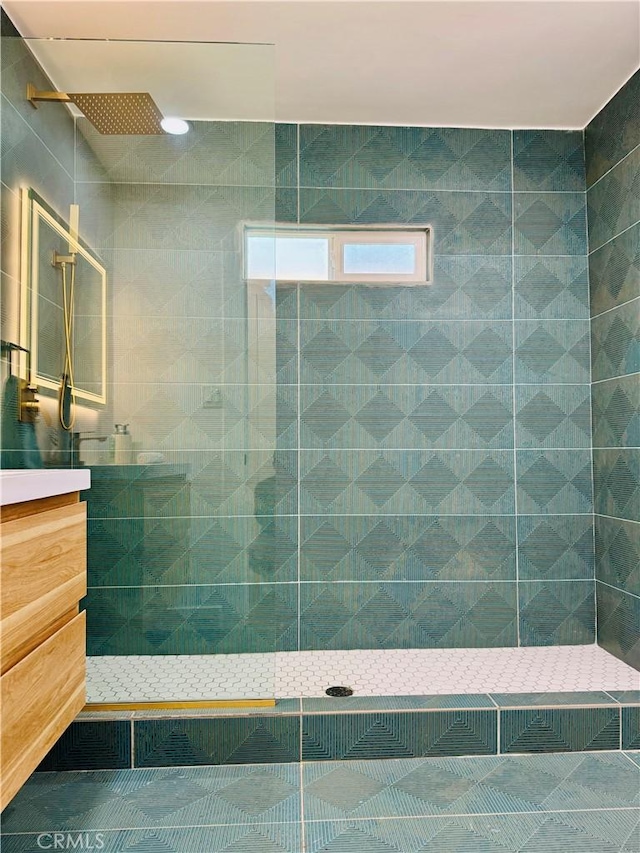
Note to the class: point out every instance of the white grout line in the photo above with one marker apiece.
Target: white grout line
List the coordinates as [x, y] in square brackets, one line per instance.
[628, 757]
[615, 308]
[618, 589]
[620, 376]
[388, 582]
[298, 476]
[160, 518]
[360, 819]
[615, 237]
[615, 166]
[606, 692]
[513, 398]
[620, 725]
[40, 140]
[452, 815]
[616, 517]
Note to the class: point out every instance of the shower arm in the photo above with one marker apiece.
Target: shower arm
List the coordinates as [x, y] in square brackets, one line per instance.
[34, 95]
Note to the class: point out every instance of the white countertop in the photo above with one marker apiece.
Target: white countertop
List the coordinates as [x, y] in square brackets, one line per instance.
[29, 485]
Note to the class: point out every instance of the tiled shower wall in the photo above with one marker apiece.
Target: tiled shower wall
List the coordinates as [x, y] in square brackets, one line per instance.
[444, 431]
[431, 482]
[38, 152]
[612, 143]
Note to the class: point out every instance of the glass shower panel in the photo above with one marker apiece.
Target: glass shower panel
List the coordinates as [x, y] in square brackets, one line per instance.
[189, 533]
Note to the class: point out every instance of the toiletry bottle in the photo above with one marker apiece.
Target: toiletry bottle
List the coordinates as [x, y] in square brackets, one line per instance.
[122, 445]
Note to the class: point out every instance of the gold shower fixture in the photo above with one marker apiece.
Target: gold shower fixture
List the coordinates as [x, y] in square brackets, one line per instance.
[117, 113]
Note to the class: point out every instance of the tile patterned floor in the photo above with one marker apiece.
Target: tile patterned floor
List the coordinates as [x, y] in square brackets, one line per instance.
[393, 672]
[570, 803]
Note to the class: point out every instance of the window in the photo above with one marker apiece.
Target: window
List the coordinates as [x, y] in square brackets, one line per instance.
[371, 255]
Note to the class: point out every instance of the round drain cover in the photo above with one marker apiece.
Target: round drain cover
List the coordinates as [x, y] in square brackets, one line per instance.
[339, 691]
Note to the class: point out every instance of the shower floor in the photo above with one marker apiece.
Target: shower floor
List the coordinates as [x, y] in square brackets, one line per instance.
[395, 672]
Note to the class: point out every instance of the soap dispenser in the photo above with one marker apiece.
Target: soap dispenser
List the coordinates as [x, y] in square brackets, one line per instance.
[122, 445]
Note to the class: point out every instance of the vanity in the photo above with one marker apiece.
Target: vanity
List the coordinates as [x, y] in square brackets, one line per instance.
[43, 546]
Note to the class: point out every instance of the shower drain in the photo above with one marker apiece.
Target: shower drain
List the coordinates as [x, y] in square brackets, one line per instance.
[339, 691]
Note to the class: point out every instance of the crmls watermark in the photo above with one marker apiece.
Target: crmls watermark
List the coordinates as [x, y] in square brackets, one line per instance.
[70, 841]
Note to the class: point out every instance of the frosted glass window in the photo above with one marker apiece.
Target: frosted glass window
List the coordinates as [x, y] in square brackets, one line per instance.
[379, 258]
[288, 258]
[370, 255]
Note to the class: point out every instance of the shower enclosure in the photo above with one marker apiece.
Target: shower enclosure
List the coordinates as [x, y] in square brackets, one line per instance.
[338, 470]
[189, 538]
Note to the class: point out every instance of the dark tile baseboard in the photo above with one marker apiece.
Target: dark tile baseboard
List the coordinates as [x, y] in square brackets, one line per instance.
[352, 728]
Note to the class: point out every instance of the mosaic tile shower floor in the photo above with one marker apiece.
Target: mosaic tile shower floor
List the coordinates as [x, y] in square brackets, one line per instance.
[570, 803]
[399, 672]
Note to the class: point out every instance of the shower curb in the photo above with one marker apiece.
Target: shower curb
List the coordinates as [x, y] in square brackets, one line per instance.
[351, 728]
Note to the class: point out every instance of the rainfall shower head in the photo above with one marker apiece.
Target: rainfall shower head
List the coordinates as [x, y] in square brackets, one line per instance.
[115, 113]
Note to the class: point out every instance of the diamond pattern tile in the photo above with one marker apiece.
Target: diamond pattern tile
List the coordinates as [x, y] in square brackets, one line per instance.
[552, 351]
[268, 838]
[399, 735]
[416, 615]
[530, 833]
[613, 133]
[191, 619]
[407, 548]
[404, 157]
[104, 745]
[555, 547]
[469, 223]
[395, 481]
[618, 623]
[614, 271]
[125, 552]
[548, 160]
[553, 612]
[217, 484]
[554, 481]
[616, 413]
[618, 553]
[402, 352]
[228, 153]
[559, 729]
[154, 216]
[552, 288]
[407, 416]
[553, 416]
[53, 127]
[235, 740]
[616, 483]
[183, 797]
[447, 786]
[463, 288]
[614, 201]
[615, 342]
[550, 223]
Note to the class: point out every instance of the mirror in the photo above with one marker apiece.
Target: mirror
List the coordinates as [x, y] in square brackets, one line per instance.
[81, 282]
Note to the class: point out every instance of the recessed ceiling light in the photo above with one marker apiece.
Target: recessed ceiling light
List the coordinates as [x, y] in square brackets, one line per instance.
[174, 125]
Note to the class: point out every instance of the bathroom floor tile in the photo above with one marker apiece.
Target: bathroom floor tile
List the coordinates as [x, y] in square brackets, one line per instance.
[265, 838]
[155, 798]
[575, 832]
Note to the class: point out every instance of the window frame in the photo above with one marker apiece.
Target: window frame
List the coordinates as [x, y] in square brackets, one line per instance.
[339, 236]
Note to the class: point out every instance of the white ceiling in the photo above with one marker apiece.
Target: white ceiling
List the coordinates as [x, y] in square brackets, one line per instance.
[471, 63]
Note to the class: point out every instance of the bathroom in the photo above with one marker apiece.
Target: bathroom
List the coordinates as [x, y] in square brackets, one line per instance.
[417, 491]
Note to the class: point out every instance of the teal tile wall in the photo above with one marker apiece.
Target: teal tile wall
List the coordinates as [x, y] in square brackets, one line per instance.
[405, 466]
[37, 152]
[612, 144]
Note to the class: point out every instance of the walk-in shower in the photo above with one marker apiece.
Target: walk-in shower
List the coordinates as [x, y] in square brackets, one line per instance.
[332, 479]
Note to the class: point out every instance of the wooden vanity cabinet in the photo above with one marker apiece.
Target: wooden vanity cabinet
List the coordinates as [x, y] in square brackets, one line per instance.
[43, 547]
